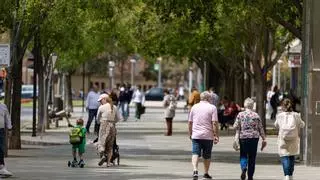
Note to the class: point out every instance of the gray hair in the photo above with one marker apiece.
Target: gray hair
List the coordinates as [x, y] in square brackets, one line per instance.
[206, 96]
[248, 103]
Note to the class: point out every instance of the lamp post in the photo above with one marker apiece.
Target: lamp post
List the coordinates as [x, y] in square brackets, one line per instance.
[133, 68]
[159, 59]
[190, 80]
[111, 74]
[279, 72]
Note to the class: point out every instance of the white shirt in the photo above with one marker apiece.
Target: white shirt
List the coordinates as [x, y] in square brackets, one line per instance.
[138, 97]
[92, 100]
[5, 119]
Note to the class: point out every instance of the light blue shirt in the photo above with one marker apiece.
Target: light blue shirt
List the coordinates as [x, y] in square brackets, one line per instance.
[92, 100]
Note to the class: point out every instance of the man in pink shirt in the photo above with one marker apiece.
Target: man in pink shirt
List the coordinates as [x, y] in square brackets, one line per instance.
[203, 130]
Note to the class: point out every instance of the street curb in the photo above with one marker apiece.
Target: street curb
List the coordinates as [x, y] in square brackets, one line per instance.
[42, 143]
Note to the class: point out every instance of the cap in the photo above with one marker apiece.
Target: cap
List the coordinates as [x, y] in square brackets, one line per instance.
[102, 96]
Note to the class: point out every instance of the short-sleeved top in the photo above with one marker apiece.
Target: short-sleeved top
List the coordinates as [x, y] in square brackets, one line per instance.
[249, 124]
[202, 116]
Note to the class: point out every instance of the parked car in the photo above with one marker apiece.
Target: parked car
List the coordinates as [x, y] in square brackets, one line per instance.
[26, 92]
[154, 94]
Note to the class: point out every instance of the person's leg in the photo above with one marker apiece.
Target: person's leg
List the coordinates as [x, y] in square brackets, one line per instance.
[291, 160]
[109, 148]
[90, 118]
[138, 111]
[243, 157]
[207, 149]
[285, 165]
[196, 153]
[2, 140]
[253, 146]
[170, 127]
[96, 125]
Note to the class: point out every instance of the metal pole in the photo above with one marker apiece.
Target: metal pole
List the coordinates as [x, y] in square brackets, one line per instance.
[34, 106]
[279, 75]
[83, 82]
[159, 75]
[205, 76]
[132, 72]
[274, 74]
[190, 80]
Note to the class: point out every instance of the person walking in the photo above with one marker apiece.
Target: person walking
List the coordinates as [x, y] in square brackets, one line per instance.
[124, 99]
[107, 116]
[170, 105]
[194, 97]
[203, 131]
[5, 121]
[249, 128]
[92, 106]
[289, 124]
[275, 102]
[215, 97]
[138, 98]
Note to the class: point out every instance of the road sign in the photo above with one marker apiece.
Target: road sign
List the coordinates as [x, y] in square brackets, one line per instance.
[156, 67]
[4, 54]
[294, 60]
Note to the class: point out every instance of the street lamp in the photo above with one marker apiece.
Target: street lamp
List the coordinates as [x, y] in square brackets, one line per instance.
[111, 74]
[133, 62]
[159, 59]
[279, 72]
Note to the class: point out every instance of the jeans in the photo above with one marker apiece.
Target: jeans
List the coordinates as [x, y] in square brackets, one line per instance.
[288, 165]
[124, 110]
[2, 140]
[248, 153]
[92, 115]
[202, 145]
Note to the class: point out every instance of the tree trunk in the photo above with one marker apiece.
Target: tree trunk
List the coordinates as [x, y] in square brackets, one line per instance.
[41, 97]
[15, 140]
[68, 93]
[260, 84]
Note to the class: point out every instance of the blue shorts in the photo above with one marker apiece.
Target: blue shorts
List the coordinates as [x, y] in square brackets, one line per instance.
[202, 145]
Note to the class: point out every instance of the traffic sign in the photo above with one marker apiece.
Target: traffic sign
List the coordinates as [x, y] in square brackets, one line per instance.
[4, 54]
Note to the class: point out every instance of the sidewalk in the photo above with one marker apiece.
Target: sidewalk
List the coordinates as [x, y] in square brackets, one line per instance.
[145, 154]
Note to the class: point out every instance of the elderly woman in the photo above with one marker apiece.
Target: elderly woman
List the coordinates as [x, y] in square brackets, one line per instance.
[107, 116]
[289, 124]
[170, 105]
[249, 127]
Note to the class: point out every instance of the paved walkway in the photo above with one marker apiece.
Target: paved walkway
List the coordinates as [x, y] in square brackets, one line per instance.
[145, 154]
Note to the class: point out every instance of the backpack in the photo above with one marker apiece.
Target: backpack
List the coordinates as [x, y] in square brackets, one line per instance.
[76, 135]
[172, 105]
[289, 130]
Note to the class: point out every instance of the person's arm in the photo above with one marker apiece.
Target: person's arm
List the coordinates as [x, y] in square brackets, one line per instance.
[261, 130]
[99, 114]
[276, 123]
[88, 99]
[300, 122]
[190, 123]
[237, 123]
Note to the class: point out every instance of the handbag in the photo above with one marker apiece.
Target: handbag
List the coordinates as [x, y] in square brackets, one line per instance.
[143, 109]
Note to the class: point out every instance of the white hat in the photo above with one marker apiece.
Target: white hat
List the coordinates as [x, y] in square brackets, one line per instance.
[102, 96]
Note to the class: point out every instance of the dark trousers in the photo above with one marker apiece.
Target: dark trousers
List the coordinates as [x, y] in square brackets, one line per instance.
[138, 110]
[248, 153]
[274, 112]
[92, 115]
[169, 126]
[2, 141]
[288, 165]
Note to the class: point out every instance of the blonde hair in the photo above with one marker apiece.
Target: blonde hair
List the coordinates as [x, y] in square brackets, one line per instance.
[109, 100]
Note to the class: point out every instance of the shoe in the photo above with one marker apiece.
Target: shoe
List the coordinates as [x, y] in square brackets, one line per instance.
[74, 163]
[5, 173]
[243, 174]
[81, 163]
[195, 175]
[207, 176]
[287, 178]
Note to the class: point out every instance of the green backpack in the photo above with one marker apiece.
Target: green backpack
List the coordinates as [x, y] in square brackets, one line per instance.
[76, 135]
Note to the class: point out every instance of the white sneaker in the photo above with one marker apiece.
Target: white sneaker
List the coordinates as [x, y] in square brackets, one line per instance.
[5, 173]
[286, 178]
